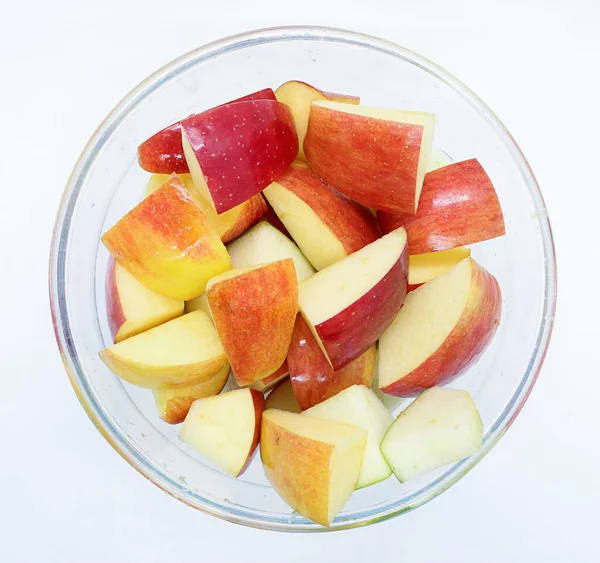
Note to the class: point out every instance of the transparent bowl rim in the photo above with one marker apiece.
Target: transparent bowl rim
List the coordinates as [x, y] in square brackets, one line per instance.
[58, 300]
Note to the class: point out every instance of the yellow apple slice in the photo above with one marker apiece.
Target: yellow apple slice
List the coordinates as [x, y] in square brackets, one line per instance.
[442, 329]
[439, 427]
[181, 352]
[425, 267]
[313, 464]
[226, 428]
[283, 398]
[174, 404]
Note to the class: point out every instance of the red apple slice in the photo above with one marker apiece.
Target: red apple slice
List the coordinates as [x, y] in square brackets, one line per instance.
[375, 156]
[254, 311]
[424, 267]
[266, 384]
[458, 206]
[313, 379]
[163, 152]
[132, 307]
[326, 225]
[349, 304]
[442, 329]
[235, 151]
[226, 428]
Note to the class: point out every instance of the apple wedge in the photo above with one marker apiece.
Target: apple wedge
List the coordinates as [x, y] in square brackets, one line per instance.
[254, 310]
[283, 398]
[163, 152]
[326, 225]
[349, 304]
[313, 464]
[298, 95]
[439, 427]
[438, 159]
[174, 404]
[225, 429]
[132, 307]
[167, 244]
[178, 353]
[425, 267]
[375, 156]
[199, 303]
[442, 329]
[264, 243]
[266, 384]
[458, 206]
[228, 225]
[359, 406]
[390, 402]
[235, 151]
[313, 379]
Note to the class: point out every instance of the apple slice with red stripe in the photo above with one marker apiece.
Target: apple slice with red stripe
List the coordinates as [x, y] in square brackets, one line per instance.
[349, 304]
[163, 152]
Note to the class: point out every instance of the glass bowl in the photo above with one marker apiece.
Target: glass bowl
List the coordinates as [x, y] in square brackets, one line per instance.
[106, 182]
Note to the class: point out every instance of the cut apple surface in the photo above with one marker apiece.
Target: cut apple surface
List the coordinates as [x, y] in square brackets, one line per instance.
[349, 304]
[226, 428]
[198, 303]
[163, 152]
[439, 427]
[263, 244]
[266, 384]
[254, 310]
[166, 243]
[458, 206]
[235, 151]
[178, 353]
[425, 267]
[132, 307]
[326, 225]
[375, 156]
[283, 398]
[313, 464]
[298, 96]
[390, 402]
[442, 329]
[312, 377]
[174, 404]
[359, 406]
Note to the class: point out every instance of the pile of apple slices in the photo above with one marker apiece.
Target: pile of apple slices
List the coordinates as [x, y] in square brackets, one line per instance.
[298, 244]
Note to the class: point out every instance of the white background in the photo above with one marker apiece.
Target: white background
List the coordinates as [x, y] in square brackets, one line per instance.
[66, 496]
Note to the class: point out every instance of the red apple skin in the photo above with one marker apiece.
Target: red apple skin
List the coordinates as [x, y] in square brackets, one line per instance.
[163, 152]
[479, 320]
[258, 400]
[458, 206]
[272, 218]
[412, 287]
[376, 166]
[354, 330]
[351, 223]
[239, 166]
[116, 317]
[313, 379]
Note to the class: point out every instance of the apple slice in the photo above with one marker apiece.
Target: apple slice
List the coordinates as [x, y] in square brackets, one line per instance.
[228, 225]
[442, 329]
[458, 206]
[359, 406]
[349, 304]
[235, 151]
[298, 95]
[438, 159]
[166, 243]
[345, 98]
[375, 156]
[266, 384]
[163, 152]
[264, 243]
[254, 311]
[313, 464]
[226, 428]
[174, 404]
[325, 225]
[199, 303]
[178, 353]
[439, 427]
[132, 307]
[425, 267]
[283, 398]
[390, 402]
[313, 379]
